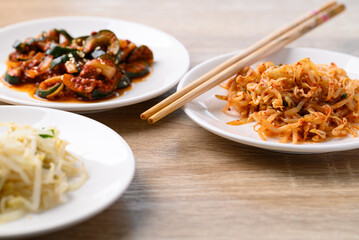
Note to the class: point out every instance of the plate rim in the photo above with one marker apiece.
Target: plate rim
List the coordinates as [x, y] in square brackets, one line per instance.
[307, 148]
[102, 105]
[91, 212]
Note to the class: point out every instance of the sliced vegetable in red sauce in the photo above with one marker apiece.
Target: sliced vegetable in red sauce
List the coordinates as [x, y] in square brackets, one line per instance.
[78, 84]
[50, 88]
[12, 79]
[89, 67]
[137, 69]
[64, 33]
[140, 53]
[103, 39]
[124, 82]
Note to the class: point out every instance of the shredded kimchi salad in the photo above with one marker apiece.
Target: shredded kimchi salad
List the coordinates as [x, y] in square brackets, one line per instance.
[87, 67]
[299, 102]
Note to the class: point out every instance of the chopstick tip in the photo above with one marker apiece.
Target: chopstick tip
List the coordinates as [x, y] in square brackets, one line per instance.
[143, 116]
[151, 121]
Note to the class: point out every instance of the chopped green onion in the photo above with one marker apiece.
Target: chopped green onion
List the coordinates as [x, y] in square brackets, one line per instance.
[344, 95]
[48, 135]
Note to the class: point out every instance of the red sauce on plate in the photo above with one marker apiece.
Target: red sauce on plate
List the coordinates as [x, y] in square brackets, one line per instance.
[69, 97]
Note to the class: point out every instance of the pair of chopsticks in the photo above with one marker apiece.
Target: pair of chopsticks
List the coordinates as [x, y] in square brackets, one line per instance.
[249, 56]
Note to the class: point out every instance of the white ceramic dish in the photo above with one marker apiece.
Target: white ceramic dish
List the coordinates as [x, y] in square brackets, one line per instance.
[171, 59]
[107, 157]
[206, 110]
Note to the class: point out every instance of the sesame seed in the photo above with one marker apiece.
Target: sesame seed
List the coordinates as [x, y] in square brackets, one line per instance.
[81, 54]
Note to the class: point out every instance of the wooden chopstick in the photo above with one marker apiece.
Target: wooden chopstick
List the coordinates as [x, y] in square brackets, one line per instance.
[233, 60]
[261, 53]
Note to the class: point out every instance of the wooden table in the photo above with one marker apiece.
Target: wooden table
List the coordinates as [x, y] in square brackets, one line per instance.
[192, 184]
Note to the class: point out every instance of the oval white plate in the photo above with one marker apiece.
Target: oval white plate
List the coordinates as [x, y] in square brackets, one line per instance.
[171, 59]
[108, 159]
[206, 110]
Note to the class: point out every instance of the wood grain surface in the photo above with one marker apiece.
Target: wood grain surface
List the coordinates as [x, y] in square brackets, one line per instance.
[192, 184]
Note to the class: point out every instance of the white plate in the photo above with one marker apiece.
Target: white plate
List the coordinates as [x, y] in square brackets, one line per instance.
[107, 157]
[171, 59]
[206, 110]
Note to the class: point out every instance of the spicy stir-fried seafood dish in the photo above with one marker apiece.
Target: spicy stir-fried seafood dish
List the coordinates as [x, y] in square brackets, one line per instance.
[87, 67]
[297, 102]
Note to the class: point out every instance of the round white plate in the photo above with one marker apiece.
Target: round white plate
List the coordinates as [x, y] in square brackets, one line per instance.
[171, 59]
[206, 110]
[107, 157]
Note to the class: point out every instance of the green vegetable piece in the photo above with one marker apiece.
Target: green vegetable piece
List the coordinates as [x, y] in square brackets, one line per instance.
[79, 41]
[118, 59]
[124, 82]
[48, 135]
[137, 69]
[45, 92]
[11, 79]
[32, 40]
[21, 59]
[50, 88]
[96, 94]
[140, 53]
[59, 60]
[65, 34]
[104, 38]
[19, 46]
[56, 51]
[64, 58]
[45, 136]
[343, 96]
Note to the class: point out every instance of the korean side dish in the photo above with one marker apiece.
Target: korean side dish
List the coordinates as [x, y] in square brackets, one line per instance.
[36, 171]
[299, 102]
[86, 68]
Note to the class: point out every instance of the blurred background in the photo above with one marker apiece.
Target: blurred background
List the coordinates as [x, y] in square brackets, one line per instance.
[243, 20]
[235, 191]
